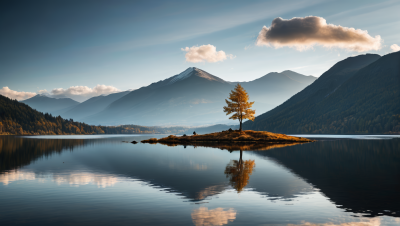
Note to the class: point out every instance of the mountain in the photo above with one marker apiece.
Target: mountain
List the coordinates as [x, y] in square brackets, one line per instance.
[194, 97]
[274, 88]
[91, 106]
[49, 105]
[357, 95]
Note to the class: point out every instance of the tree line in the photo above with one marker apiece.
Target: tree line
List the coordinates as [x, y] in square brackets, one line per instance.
[19, 119]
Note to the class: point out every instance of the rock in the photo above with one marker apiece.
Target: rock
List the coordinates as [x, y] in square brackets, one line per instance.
[134, 142]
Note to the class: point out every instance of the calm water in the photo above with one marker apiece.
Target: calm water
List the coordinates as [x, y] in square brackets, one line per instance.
[101, 180]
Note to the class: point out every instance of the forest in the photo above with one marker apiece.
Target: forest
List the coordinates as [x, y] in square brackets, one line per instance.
[19, 119]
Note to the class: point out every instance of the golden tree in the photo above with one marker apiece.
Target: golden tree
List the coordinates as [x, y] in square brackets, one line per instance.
[239, 172]
[239, 105]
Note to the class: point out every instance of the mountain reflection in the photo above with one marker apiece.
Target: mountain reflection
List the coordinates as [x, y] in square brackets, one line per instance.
[16, 152]
[239, 172]
[218, 216]
[358, 176]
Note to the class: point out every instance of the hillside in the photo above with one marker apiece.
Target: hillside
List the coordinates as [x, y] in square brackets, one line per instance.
[274, 88]
[194, 97]
[358, 95]
[19, 118]
[50, 105]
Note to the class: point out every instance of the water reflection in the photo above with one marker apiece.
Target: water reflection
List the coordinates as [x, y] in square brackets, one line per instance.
[218, 216]
[8, 177]
[79, 178]
[73, 178]
[358, 176]
[363, 222]
[239, 172]
[17, 152]
[233, 146]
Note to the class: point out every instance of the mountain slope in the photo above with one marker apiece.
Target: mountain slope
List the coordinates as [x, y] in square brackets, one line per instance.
[274, 88]
[357, 95]
[91, 106]
[193, 97]
[50, 105]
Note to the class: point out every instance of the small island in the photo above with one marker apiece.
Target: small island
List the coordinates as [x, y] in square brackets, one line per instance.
[233, 140]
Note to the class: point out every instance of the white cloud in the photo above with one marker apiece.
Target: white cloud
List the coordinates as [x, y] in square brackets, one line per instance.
[304, 33]
[395, 47]
[78, 93]
[5, 91]
[196, 54]
[81, 93]
[43, 91]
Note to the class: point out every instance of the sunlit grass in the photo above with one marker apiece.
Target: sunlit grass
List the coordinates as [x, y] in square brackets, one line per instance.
[233, 140]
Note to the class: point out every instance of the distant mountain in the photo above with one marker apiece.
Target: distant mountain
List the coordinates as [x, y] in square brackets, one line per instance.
[91, 106]
[357, 95]
[191, 97]
[17, 118]
[194, 97]
[49, 105]
[274, 88]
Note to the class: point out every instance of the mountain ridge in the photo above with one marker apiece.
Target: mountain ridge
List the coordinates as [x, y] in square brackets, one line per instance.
[47, 104]
[192, 97]
[349, 98]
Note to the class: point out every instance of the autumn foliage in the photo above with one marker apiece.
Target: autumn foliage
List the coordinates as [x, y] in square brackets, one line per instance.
[239, 173]
[239, 105]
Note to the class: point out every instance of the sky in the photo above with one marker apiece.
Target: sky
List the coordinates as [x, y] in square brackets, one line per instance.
[86, 48]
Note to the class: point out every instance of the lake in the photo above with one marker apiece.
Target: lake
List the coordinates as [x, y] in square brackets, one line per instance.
[104, 180]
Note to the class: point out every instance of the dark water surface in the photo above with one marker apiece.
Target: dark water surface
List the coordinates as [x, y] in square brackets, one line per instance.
[101, 180]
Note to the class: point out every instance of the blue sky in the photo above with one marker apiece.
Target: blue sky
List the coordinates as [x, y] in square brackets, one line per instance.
[130, 44]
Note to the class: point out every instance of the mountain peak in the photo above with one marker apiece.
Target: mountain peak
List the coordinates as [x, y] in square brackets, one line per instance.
[193, 71]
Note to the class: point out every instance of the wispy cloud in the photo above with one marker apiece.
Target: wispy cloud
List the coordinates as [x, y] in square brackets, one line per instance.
[304, 33]
[395, 48]
[5, 91]
[209, 53]
[81, 93]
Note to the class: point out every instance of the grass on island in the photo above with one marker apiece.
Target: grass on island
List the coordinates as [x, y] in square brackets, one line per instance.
[235, 136]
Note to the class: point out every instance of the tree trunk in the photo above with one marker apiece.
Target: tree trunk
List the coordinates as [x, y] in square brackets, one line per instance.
[240, 129]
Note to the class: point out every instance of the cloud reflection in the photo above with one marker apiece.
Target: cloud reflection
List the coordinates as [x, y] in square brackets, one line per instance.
[73, 179]
[77, 179]
[11, 176]
[217, 216]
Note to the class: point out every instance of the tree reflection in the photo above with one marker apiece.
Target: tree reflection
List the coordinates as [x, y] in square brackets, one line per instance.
[239, 172]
